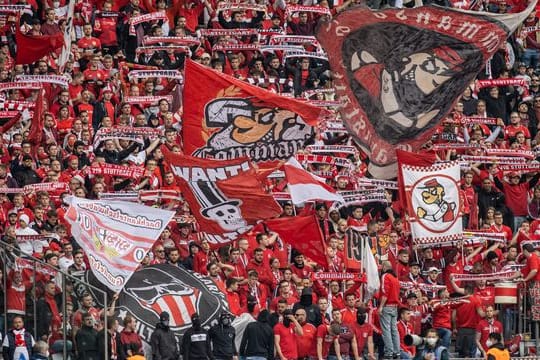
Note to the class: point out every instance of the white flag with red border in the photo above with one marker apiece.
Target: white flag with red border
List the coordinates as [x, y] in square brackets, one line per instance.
[433, 201]
[304, 186]
[115, 235]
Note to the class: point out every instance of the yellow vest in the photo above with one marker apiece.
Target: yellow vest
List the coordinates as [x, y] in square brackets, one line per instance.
[498, 354]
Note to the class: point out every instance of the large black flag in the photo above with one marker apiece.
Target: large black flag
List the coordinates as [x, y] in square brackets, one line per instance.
[399, 71]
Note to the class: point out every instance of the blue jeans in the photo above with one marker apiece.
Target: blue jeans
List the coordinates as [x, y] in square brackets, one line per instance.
[389, 329]
[405, 356]
[530, 57]
[517, 222]
[446, 337]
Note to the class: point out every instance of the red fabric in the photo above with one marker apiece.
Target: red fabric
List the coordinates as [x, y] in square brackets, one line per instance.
[40, 46]
[36, 130]
[533, 262]
[302, 233]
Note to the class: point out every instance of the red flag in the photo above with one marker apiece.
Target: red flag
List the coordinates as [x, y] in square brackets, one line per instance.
[36, 130]
[225, 197]
[302, 233]
[33, 48]
[225, 118]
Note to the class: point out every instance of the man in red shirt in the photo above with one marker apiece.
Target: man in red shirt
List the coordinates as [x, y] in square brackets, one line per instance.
[306, 343]
[201, 258]
[499, 227]
[284, 293]
[468, 315]
[485, 327]
[388, 310]
[405, 327]
[285, 335]
[348, 314]
[233, 298]
[263, 269]
[363, 332]
[327, 337]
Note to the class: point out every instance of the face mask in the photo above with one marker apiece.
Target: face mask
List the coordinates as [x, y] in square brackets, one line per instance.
[56, 4]
[286, 322]
[226, 321]
[431, 341]
[165, 322]
[196, 323]
[361, 318]
[489, 343]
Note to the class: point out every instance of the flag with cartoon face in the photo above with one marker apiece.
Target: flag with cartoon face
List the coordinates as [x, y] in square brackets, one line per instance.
[399, 71]
[432, 199]
[226, 118]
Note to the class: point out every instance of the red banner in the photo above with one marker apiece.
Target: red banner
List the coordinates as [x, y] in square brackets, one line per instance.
[229, 118]
[226, 197]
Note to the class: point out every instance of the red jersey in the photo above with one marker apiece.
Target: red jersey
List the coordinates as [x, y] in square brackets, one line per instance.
[327, 340]
[486, 327]
[466, 315]
[287, 340]
[362, 333]
[533, 262]
[307, 343]
[199, 263]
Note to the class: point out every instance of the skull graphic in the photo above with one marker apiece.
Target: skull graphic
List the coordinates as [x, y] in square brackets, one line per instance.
[227, 214]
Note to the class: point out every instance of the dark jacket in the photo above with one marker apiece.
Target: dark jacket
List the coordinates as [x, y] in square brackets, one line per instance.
[223, 337]
[86, 341]
[164, 344]
[120, 354]
[9, 351]
[258, 339]
[313, 312]
[196, 345]
[44, 317]
[114, 157]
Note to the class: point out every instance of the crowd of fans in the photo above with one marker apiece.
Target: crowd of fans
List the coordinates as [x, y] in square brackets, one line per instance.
[300, 316]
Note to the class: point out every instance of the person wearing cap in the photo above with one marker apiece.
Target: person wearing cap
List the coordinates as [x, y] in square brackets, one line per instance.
[163, 341]
[433, 278]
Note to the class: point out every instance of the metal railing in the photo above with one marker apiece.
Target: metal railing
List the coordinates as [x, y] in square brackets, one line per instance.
[7, 250]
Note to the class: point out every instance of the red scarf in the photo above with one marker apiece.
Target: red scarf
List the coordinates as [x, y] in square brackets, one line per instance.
[56, 319]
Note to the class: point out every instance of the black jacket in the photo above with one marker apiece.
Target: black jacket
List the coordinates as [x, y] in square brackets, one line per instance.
[222, 338]
[120, 354]
[258, 339]
[164, 344]
[196, 345]
[86, 341]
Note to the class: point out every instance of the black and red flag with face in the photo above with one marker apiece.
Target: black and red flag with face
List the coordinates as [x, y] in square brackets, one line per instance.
[399, 71]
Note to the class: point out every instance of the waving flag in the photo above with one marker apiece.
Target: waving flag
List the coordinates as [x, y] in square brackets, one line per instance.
[432, 198]
[226, 197]
[399, 71]
[33, 48]
[304, 234]
[225, 118]
[304, 186]
[115, 235]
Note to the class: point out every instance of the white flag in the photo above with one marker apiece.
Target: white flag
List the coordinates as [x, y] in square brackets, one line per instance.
[66, 49]
[115, 235]
[371, 269]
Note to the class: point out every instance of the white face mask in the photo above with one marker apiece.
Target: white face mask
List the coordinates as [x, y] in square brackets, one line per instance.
[489, 343]
[56, 4]
[431, 341]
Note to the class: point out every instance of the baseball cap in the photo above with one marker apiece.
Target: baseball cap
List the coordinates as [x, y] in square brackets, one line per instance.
[433, 268]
